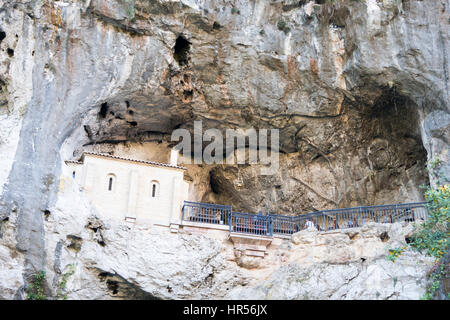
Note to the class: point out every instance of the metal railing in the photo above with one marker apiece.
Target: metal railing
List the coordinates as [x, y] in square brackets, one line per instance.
[356, 217]
[256, 224]
[283, 225]
[325, 220]
[206, 212]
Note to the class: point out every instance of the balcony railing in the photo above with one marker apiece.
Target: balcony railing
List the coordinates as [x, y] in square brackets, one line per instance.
[270, 224]
[256, 224]
[283, 225]
[206, 212]
[355, 217]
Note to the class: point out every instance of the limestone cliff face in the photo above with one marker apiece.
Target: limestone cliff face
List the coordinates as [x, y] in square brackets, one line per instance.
[359, 92]
[98, 258]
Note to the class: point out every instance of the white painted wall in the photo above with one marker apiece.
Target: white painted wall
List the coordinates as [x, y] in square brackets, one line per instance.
[131, 195]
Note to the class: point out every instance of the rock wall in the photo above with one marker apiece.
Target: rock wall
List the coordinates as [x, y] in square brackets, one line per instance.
[100, 259]
[359, 92]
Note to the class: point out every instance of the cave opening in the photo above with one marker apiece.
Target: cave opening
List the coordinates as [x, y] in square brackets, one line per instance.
[118, 286]
[214, 183]
[384, 237]
[380, 135]
[10, 52]
[75, 242]
[389, 100]
[389, 140]
[113, 286]
[188, 94]
[101, 243]
[181, 50]
[103, 110]
[2, 35]
[46, 214]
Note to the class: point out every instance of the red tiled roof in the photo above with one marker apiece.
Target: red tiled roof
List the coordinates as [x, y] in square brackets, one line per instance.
[159, 164]
[73, 161]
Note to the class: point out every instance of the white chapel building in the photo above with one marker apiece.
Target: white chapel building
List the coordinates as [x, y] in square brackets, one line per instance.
[130, 189]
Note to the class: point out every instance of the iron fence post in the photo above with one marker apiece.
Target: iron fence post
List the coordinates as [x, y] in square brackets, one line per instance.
[270, 220]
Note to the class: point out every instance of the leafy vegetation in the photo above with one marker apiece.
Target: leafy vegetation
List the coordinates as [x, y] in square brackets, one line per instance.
[282, 26]
[433, 168]
[432, 236]
[438, 272]
[62, 284]
[395, 253]
[235, 11]
[130, 10]
[36, 290]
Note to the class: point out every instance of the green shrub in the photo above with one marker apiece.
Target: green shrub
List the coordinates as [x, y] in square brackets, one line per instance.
[62, 284]
[130, 10]
[36, 291]
[432, 235]
[394, 253]
[282, 26]
[438, 272]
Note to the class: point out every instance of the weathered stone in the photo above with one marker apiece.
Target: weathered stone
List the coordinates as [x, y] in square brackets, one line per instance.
[360, 97]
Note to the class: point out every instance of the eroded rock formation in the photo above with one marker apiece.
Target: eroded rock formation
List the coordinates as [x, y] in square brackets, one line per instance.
[101, 259]
[359, 92]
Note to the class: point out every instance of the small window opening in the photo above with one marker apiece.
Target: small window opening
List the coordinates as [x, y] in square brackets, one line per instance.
[154, 189]
[73, 174]
[111, 182]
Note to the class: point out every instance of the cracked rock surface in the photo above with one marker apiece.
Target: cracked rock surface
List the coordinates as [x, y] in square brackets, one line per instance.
[359, 92]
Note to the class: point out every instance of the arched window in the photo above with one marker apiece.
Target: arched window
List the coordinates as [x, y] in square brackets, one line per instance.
[73, 174]
[111, 179]
[154, 189]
